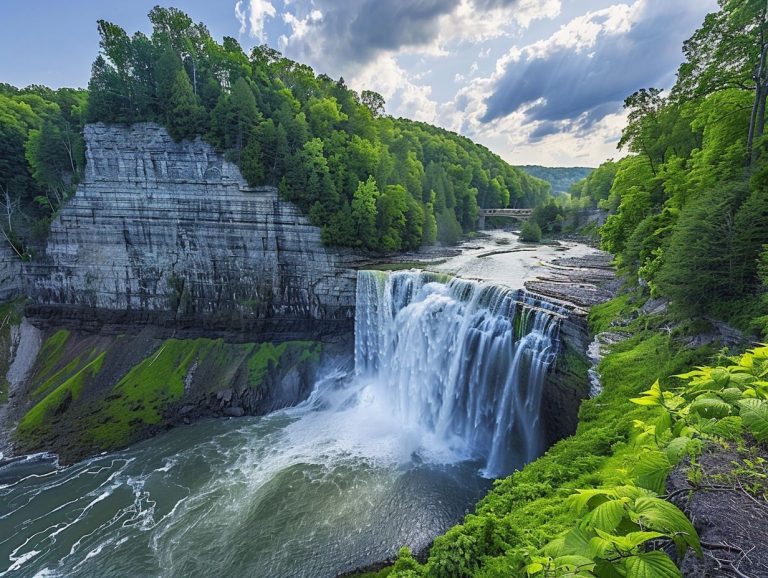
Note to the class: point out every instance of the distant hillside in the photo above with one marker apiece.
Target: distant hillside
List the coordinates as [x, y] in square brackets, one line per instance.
[561, 178]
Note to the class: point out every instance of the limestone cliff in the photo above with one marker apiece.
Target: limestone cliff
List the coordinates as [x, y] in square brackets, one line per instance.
[168, 234]
[10, 273]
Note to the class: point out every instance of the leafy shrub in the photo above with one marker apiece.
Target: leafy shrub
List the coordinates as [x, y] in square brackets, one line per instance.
[531, 232]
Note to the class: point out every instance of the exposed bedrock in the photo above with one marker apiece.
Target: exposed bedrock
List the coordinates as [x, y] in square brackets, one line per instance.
[168, 234]
[577, 284]
[10, 273]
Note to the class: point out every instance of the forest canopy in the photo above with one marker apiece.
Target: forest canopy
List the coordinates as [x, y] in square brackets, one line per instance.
[371, 181]
[41, 157]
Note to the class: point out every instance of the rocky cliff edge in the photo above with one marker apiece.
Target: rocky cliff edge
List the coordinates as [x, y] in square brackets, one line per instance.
[168, 234]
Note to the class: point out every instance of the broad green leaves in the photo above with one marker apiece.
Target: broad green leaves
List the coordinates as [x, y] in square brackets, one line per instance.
[615, 532]
[652, 470]
[714, 402]
[617, 525]
[754, 413]
[651, 565]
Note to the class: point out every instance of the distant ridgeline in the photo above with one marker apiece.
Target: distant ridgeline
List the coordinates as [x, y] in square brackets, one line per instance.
[560, 178]
[371, 181]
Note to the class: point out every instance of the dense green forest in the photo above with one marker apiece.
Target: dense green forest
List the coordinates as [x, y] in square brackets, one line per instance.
[689, 206]
[561, 179]
[41, 157]
[371, 181]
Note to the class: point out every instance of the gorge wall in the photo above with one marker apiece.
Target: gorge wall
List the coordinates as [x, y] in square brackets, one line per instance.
[168, 234]
[10, 273]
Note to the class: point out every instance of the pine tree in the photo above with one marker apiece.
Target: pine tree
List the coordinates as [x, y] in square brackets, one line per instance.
[244, 115]
[184, 115]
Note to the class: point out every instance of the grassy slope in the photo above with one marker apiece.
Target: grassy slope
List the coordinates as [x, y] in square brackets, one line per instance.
[68, 390]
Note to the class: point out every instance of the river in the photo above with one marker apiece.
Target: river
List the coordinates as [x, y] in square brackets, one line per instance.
[392, 447]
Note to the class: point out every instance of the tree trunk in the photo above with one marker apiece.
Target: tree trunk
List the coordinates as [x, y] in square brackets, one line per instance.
[761, 112]
[757, 117]
[755, 106]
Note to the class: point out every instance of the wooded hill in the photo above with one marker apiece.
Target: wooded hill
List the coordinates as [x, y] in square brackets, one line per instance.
[371, 181]
[689, 206]
[560, 178]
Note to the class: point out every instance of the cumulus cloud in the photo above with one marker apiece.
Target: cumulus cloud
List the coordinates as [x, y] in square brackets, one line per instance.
[388, 78]
[253, 17]
[584, 71]
[352, 33]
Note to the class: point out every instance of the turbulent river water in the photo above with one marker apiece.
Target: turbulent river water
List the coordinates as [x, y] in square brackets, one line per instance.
[390, 449]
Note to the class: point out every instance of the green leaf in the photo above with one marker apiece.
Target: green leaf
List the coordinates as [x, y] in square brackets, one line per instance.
[582, 498]
[574, 561]
[555, 547]
[651, 565]
[729, 427]
[650, 397]
[652, 470]
[710, 406]
[647, 400]
[599, 547]
[661, 516]
[698, 372]
[534, 568]
[606, 569]
[732, 395]
[741, 379]
[721, 376]
[634, 539]
[606, 516]
[754, 414]
[664, 424]
[577, 541]
[677, 448]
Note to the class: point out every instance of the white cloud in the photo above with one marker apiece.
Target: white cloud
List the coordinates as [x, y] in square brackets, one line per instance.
[388, 78]
[253, 17]
[468, 23]
[559, 122]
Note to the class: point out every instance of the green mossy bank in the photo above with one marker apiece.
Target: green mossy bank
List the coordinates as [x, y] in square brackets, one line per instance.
[91, 393]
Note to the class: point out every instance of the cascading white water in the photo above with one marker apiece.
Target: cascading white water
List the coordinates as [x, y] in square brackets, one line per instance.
[460, 361]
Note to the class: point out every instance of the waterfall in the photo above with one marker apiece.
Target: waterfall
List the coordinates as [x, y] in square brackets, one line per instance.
[460, 360]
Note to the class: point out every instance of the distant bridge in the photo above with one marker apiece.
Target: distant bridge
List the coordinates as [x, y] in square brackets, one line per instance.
[520, 214]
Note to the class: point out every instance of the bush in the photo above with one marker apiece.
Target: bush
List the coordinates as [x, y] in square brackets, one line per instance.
[530, 233]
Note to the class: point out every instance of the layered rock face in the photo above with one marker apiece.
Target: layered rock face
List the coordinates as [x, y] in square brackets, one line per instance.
[168, 234]
[10, 273]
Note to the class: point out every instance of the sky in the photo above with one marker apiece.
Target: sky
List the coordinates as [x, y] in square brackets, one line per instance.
[536, 81]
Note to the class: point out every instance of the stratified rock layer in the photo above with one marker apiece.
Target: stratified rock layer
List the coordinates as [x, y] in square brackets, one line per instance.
[168, 234]
[10, 273]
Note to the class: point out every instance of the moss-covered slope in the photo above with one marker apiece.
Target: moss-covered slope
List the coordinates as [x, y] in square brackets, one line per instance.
[91, 393]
